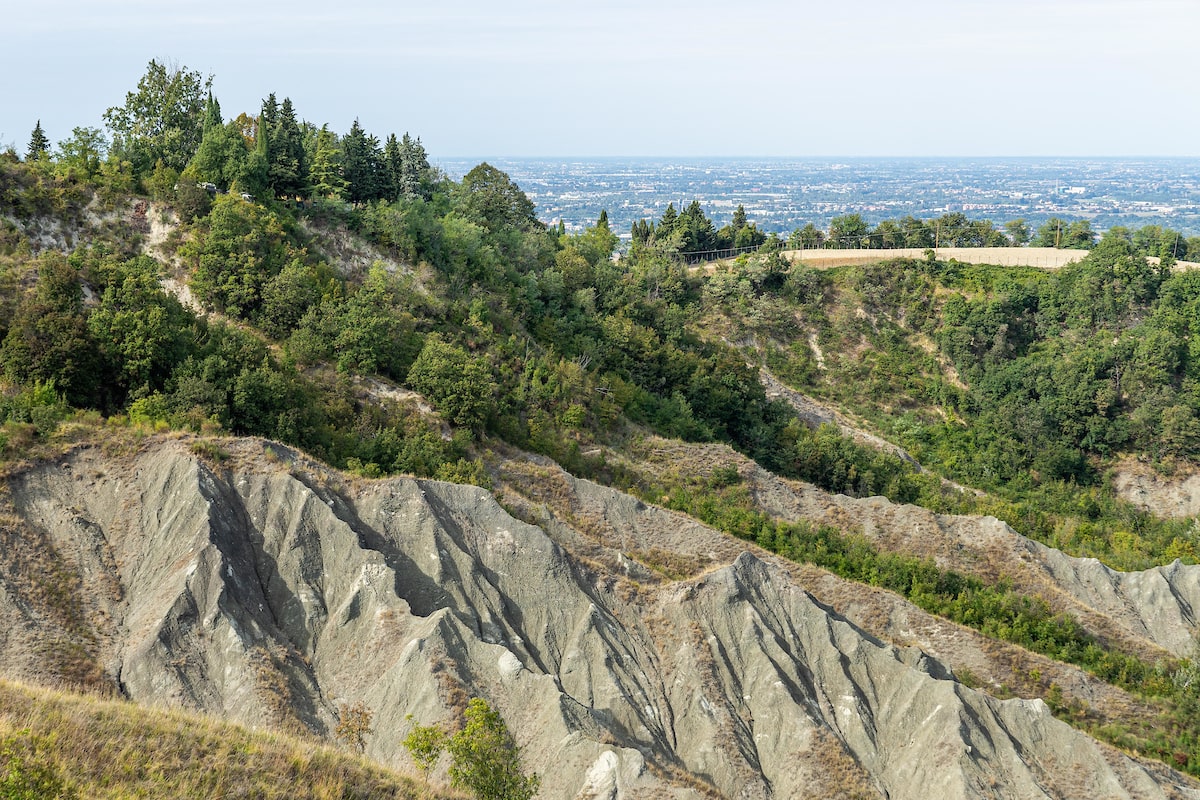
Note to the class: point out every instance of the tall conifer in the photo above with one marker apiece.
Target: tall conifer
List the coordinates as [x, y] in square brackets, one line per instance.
[39, 145]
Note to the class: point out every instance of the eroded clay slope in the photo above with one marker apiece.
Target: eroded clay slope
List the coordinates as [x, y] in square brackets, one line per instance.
[1150, 609]
[266, 589]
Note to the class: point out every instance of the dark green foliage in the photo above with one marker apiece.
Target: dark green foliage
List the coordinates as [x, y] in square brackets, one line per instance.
[142, 333]
[39, 145]
[287, 169]
[458, 383]
[363, 167]
[289, 295]
[222, 155]
[163, 120]
[326, 173]
[849, 231]
[1061, 233]
[48, 339]
[414, 178]
[242, 246]
[375, 335]
[487, 196]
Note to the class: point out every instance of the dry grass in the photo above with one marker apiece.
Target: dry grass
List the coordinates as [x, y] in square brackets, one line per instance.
[110, 749]
[836, 772]
[1042, 257]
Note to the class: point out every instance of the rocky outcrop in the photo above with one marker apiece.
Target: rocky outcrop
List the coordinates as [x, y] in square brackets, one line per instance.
[1152, 610]
[1175, 496]
[269, 590]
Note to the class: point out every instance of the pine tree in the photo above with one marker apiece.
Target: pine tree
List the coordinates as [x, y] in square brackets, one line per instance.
[414, 169]
[326, 174]
[362, 165]
[739, 218]
[39, 145]
[286, 172]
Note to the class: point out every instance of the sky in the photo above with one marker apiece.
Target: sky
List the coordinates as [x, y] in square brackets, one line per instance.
[643, 78]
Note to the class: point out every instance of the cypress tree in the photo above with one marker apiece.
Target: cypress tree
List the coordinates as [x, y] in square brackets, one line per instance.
[393, 160]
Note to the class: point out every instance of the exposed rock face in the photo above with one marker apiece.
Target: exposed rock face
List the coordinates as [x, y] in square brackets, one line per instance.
[267, 590]
[1155, 609]
[1175, 497]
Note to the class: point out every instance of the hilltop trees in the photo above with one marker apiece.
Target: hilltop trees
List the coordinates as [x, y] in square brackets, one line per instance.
[163, 120]
[1057, 232]
[849, 231]
[1018, 232]
[326, 176]
[287, 167]
[221, 156]
[490, 198]
[39, 145]
[84, 152]
[362, 166]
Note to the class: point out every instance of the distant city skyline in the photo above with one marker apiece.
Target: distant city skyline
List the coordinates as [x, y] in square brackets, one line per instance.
[782, 194]
[624, 78]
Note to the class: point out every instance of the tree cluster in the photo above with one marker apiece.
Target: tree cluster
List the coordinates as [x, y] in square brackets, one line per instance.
[692, 235]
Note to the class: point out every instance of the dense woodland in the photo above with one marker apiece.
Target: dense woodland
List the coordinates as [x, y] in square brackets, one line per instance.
[1022, 383]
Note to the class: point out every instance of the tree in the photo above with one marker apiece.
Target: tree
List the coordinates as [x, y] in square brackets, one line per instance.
[425, 744]
[849, 231]
[326, 174]
[1018, 232]
[917, 233]
[287, 170]
[49, 340]
[698, 234]
[84, 151]
[39, 145]
[354, 726]
[1079, 236]
[458, 384]
[887, 235]
[1058, 232]
[810, 237]
[362, 166]
[141, 331]
[393, 168]
[486, 760]
[739, 218]
[243, 247]
[488, 196]
[162, 120]
[414, 169]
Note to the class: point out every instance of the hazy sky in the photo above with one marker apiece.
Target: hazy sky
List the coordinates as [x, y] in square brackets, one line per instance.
[738, 77]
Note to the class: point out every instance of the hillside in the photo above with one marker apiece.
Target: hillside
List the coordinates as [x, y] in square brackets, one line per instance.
[207, 586]
[367, 439]
[92, 748]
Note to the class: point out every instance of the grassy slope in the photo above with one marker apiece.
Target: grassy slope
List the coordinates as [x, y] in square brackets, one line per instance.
[110, 749]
